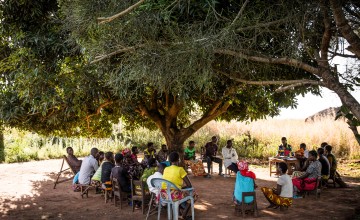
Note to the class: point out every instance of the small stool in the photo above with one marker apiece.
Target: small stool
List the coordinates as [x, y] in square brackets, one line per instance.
[107, 188]
[243, 207]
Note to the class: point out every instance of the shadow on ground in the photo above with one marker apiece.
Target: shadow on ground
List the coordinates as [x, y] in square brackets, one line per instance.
[215, 202]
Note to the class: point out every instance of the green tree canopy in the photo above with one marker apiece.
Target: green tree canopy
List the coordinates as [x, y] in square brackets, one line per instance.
[74, 67]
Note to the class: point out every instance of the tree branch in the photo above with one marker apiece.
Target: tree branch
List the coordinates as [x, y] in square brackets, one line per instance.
[132, 48]
[103, 20]
[261, 25]
[345, 28]
[126, 49]
[98, 111]
[175, 108]
[342, 55]
[325, 41]
[207, 118]
[283, 60]
[240, 12]
[285, 88]
[153, 102]
[271, 82]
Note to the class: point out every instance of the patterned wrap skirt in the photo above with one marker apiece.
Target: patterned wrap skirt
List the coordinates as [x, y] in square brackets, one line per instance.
[197, 167]
[276, 199]
[175, 195]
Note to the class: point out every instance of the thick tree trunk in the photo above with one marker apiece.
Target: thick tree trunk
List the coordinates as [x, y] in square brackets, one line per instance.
[355, 132]
[343, 25]
[175, 142]
[345, 96]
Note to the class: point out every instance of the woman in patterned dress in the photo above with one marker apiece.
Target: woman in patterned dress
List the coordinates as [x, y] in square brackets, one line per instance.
[282, 195]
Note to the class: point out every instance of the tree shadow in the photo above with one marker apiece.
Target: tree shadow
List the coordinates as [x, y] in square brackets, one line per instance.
[215, 202]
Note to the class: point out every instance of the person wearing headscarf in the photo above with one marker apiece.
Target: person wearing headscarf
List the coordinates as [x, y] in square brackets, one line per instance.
[282, 195]
[245, 182]
[135, 170]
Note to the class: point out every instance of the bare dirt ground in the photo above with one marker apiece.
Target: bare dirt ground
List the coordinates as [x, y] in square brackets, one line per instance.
[27, 192]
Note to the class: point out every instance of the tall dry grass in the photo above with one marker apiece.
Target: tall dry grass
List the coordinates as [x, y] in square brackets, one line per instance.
[267, 134]
[259, 139]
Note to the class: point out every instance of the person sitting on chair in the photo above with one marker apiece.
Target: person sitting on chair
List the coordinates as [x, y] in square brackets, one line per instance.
[196, 166]
[189, 153]
[285, 148]
[100, 157]
[282, 195]
[96, 178]
[121, 174]
[210, 155]
[149, 152]
[88, 167]
[134, 153]
[73, 161]
[134, 170]
[245, 182]
[106, 168]
[325, 166]
[178, 176]
[323, 144]
[332, 160]
[307, 181]
[157, 174]
[302, 154]
[162, 155]
[149, 170]
[230, 157]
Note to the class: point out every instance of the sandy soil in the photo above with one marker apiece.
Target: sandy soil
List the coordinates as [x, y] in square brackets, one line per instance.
[27, 192]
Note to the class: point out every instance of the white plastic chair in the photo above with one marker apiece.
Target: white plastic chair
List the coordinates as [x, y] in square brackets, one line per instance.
[157, 183]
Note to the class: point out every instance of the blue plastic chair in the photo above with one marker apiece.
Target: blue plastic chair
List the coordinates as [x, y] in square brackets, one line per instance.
[157, 183]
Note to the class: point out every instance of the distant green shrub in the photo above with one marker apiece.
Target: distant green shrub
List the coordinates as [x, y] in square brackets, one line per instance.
[258, 139]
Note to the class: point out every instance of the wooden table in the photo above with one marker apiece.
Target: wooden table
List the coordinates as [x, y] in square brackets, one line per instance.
[290, 161]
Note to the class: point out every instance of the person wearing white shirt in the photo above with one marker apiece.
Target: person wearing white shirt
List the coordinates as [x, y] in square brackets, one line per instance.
[283, 194]
[230, 157]
[88, 167]
[157, 174]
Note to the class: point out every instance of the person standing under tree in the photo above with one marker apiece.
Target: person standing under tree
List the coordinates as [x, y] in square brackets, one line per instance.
[211, 149]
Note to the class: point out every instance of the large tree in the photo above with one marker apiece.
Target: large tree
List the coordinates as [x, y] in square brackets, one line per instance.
[319, 30]
[74, 71]
[161, 63]
[159, 59]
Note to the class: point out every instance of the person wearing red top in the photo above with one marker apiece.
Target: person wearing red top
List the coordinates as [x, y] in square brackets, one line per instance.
[285, 148]
[134, 153]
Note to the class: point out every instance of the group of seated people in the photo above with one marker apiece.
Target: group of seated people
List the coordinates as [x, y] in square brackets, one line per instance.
[320, 163]
[209, 153]
[124, 166]
[326, 160]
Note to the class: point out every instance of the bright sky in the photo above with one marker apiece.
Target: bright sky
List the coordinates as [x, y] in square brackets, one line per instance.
[311, 104]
